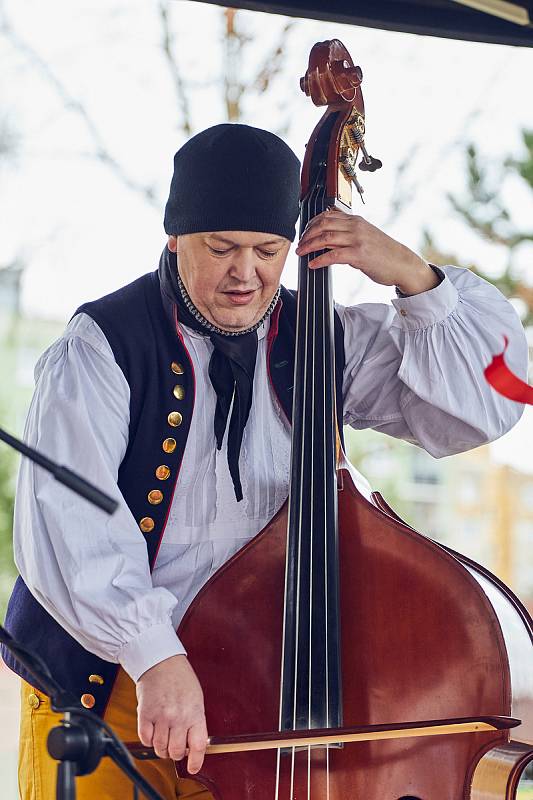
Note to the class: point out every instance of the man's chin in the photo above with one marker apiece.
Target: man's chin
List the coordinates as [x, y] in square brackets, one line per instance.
[235, 321]
[235, 325]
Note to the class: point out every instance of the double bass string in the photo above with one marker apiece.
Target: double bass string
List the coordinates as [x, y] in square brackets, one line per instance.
[309, 278]
[312, 313]
[302, 276]
[304, 284]
[317, 318]
[320, 279]
[324, 275]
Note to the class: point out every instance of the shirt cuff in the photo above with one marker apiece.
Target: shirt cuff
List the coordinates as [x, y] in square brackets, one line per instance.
[153, 645]
[422, 310]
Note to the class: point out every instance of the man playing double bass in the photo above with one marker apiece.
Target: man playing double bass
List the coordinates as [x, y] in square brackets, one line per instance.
[173, 394]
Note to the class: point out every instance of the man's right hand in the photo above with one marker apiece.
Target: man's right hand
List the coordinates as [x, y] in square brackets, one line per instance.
[170, 712]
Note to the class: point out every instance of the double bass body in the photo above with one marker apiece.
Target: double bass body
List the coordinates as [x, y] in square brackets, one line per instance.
[424, 636]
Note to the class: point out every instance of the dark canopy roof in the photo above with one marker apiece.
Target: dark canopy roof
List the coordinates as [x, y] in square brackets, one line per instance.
[447, 18]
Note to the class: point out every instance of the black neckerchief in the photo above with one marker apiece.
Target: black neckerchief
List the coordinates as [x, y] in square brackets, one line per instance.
[231, 367]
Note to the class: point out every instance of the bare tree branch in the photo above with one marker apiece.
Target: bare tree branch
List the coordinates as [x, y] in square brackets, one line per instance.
[168, 45]
[71, 103]
[274, 63]
[234, 84]
[234, 88]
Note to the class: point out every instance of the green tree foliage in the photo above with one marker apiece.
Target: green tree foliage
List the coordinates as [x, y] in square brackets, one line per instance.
[483, 210]
[524, 166]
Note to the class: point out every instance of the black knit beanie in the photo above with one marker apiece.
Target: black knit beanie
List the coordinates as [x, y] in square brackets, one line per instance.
[234, 178]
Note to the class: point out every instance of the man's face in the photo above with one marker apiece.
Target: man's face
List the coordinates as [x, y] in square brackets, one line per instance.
[231, 276]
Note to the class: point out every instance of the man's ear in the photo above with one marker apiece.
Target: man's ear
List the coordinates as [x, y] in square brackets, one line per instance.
[173, 244]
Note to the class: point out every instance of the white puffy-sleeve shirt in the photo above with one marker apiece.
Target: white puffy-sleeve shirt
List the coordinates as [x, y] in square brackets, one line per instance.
[414, 370]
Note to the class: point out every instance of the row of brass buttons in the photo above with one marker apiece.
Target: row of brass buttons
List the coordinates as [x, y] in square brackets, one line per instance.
[88, 700]
[162, 473]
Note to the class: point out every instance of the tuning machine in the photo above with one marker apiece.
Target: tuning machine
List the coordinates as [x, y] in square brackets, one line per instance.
[352, 141]
[368, 163]
[347, 163]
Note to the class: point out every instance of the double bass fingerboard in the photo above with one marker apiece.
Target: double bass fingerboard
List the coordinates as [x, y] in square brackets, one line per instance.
[311, 675]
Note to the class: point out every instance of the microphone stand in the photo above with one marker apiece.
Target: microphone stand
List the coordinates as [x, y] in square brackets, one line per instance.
[81, 739]
[62, 474]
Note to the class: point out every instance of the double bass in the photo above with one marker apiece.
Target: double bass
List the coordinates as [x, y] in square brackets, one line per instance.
[344, 655]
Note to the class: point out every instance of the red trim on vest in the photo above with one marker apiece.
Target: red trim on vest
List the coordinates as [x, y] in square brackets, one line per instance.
[272, 334]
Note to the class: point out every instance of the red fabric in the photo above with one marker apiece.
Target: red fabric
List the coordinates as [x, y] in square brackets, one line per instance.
[506, 382]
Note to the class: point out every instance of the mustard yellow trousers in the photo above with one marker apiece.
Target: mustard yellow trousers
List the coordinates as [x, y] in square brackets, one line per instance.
[37, 771]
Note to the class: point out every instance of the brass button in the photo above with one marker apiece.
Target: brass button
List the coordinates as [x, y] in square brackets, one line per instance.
[178, 392]
[96, 679]
[162, 472]
[33, 700]
[176, 368]
[147, 524]
[87, 700]
[169, 445]
[175, 419]
[403, 312]
[155, 497]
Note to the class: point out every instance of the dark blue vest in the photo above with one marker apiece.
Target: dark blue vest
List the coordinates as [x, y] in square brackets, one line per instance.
[156, 364]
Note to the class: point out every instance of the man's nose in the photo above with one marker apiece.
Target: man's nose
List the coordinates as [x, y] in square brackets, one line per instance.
[243, 265]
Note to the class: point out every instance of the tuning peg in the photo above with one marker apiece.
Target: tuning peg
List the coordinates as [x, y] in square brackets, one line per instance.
[352, 75]
[355, 76]
[369, 163]
[359, 188]
[347, 162]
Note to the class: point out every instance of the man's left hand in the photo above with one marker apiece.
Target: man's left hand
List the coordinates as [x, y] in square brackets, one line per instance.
[354, 241]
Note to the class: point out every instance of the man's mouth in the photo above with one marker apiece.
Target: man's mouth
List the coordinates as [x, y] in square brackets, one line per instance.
[240, 298]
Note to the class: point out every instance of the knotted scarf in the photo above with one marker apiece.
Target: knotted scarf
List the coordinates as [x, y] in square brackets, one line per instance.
[231, 367]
